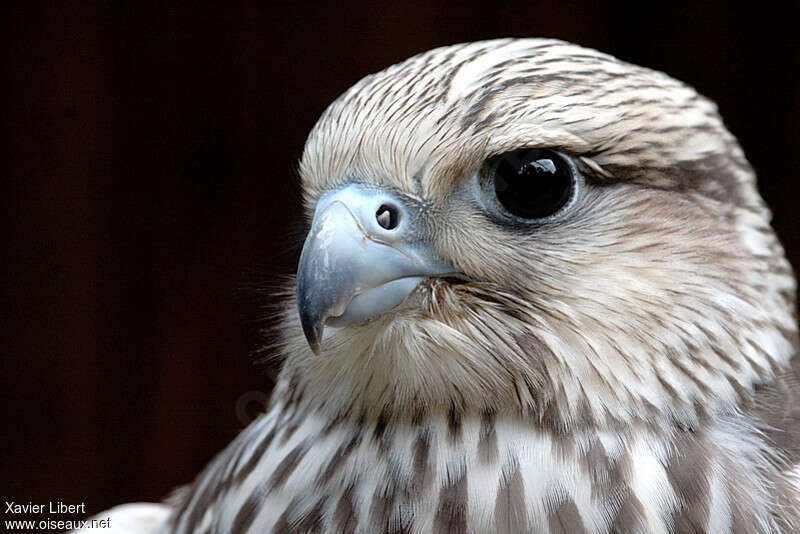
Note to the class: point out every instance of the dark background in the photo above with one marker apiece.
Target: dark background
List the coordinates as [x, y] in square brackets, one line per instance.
[152, 197]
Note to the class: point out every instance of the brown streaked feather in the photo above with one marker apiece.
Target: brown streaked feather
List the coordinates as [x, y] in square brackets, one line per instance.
[487, 444]
[509, 509]
[619, 367]
[344, 517]
[451, 515]
[287, 466]
[566, 519]
[689, 472]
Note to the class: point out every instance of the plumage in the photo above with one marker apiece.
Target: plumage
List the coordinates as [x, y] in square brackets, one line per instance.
[626, 365]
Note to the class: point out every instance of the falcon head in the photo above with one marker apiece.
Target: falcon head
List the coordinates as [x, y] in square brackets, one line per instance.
[531, 227]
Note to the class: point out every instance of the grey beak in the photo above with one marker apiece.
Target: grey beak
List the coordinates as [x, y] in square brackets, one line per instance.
[363, 255]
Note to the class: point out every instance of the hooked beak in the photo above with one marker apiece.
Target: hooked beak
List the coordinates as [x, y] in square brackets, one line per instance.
[364, 254]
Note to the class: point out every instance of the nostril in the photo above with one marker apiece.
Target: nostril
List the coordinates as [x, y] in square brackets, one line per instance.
[387, 216]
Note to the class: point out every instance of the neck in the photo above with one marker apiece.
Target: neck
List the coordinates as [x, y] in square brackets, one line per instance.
[498, 466]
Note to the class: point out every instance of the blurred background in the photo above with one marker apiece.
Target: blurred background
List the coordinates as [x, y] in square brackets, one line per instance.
[152, 198]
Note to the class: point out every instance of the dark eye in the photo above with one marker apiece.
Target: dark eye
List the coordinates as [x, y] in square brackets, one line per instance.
[532, 183]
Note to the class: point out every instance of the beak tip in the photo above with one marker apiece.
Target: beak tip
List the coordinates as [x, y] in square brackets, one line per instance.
[313, 331]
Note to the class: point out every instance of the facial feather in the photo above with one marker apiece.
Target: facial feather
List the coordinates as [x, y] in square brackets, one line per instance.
[663, 293]
[627, 364]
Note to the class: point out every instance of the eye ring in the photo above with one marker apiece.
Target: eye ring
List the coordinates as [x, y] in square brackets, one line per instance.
[531, 184]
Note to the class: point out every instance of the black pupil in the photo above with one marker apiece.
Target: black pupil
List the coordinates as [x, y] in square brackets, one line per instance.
[532, 183]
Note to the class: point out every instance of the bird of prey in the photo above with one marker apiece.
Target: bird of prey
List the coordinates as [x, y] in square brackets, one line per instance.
[539, 293]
